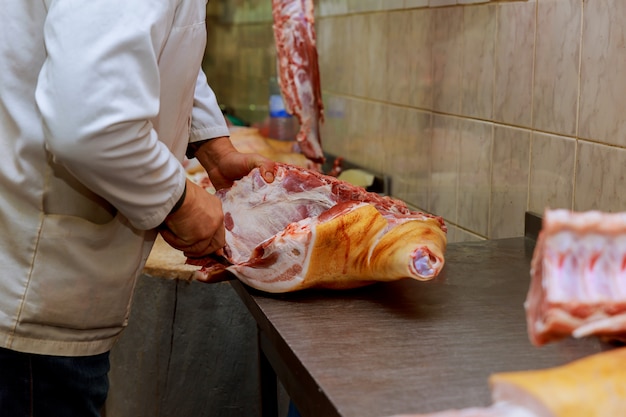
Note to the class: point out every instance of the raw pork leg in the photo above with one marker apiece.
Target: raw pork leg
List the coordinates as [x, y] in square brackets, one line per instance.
[306, 229]
[594, 386]
[298, 71]
[578, 277]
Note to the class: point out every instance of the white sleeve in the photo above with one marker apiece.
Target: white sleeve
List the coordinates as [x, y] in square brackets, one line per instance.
[97, 92]
[207, 121]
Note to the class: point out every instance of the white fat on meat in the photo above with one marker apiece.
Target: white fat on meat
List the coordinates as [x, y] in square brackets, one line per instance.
[289, 251]
[268, 210]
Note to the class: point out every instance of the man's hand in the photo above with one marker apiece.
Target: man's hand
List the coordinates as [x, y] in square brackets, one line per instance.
[225, 164]
[197, 227]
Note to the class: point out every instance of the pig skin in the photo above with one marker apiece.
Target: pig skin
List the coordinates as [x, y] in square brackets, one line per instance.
[309, 230]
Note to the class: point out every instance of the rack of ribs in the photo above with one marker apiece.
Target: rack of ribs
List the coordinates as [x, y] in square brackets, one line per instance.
[578, 277]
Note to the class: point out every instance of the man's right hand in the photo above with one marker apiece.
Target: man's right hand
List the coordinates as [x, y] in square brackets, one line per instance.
[197, 227]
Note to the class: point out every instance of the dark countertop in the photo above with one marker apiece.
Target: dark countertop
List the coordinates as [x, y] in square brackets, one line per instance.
[408, 346]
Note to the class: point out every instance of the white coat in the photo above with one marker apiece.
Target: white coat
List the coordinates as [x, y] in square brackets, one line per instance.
[96, 103]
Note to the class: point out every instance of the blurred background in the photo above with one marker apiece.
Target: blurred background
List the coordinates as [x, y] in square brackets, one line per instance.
[478, 112]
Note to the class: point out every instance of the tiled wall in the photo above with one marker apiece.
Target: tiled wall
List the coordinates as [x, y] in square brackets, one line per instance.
[478, 112]
[241, 55]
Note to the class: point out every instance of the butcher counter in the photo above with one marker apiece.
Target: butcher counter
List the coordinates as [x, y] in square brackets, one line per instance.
[399, 347]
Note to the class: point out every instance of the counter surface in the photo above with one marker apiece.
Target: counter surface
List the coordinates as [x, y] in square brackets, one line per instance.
[408, 346]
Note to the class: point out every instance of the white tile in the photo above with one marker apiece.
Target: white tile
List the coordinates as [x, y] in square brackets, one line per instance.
[557, 57]
[331, 7]
[415, 3]
[479, 26]
[445, 150]
[476, 139]
[408, 154]
[473, 1]
[392, 5]
[514, 63]
[440, 3]
[420, 57]
[509, 182]
[358, 6]
[400, 56]
[447, 59]
[552, 167]
[602, 98]
[600, 178]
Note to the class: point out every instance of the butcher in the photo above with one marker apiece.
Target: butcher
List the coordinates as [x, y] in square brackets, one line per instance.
[99, 101]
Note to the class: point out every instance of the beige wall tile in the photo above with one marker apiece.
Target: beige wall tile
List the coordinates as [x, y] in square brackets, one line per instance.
[356, 6]
[600, 178]
[440, 3]
[509, 182]
[238, 66]
[374, 149]
[249, 11]
[328, 64]
[338, 124]
[473, 1]
[451, 233]
[369, 38]
[407, 142]
[420, 57]
[331, 7]
[415, 3]
[357, 64]
[457, 235]
[479, 25]
[557, 58]
[333, 49]
[335, 126]
[447, 59]
[462, 235]
[364, 143]
[603, 85]
[445, 150]
[552, 162]
[514, 63]
[354, 142]
[392, 5]
[476, 140]
[399, 56]
[376, 51]
[408, 92]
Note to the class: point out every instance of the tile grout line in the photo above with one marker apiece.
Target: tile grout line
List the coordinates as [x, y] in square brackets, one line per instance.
[532, 109]
[580, 75]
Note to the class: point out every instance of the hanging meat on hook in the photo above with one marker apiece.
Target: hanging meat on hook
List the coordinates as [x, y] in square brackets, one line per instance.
[298, 71]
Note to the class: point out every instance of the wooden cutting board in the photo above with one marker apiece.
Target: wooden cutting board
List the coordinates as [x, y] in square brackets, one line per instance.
[167, 262]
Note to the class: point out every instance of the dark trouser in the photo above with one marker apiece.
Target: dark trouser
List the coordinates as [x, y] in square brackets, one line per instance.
[292, 411]
[52, 386]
